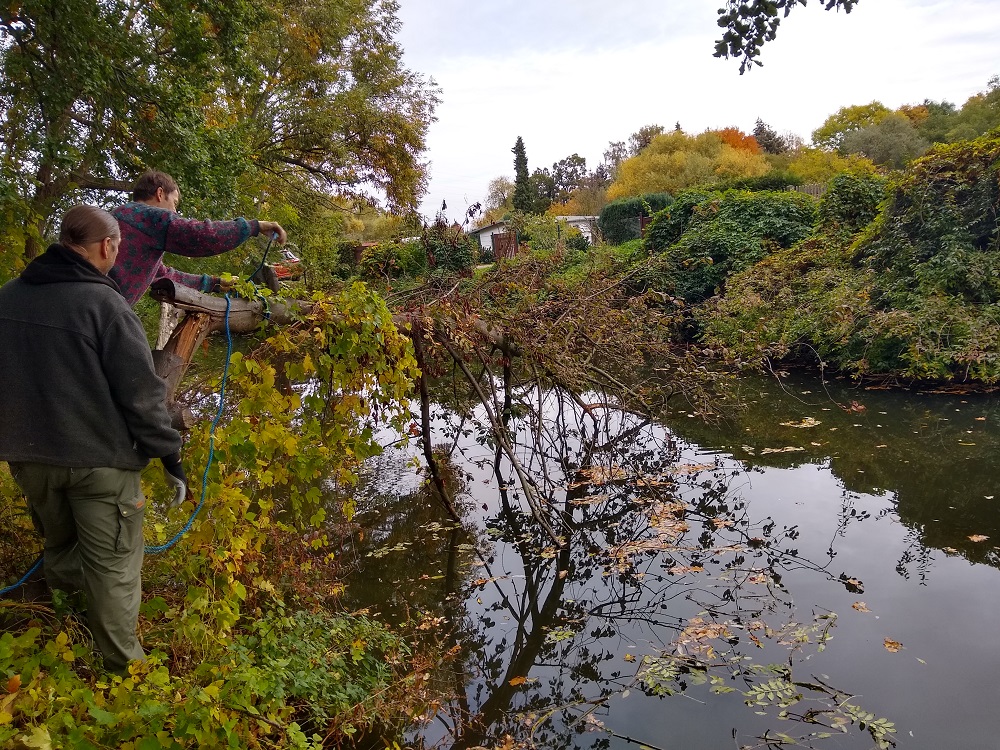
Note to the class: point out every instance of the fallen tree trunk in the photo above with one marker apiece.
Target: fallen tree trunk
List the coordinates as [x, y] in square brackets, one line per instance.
[204, 314]
[244, 314]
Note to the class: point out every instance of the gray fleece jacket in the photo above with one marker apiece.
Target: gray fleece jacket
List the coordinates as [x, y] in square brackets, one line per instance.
[77, 385]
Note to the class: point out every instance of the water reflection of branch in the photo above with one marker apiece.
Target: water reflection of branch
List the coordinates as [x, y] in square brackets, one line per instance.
[425, 429]
[642, 536]
[500, 437]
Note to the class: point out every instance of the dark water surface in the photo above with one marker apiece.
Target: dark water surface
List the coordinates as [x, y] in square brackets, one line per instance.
[854, 545]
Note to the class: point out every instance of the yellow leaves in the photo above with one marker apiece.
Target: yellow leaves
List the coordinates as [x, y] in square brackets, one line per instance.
[860, 607]
[13, 685]
[786, 449]
[892, 646]
[978, 537]
[516, 681]
[673, 161]
[39, 738]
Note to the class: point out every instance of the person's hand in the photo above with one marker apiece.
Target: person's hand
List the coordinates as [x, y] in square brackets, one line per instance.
[173, 472]
[273, 229]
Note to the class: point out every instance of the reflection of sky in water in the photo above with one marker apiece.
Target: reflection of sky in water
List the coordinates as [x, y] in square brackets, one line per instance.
[935, 603]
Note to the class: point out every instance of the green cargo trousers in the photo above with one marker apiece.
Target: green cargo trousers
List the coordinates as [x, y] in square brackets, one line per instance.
[91, 521]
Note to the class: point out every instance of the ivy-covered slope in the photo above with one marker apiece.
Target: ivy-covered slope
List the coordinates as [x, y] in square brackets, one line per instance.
[914, 293]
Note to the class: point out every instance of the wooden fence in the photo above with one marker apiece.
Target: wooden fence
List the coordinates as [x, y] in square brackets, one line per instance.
[815, 189]
[504, 245]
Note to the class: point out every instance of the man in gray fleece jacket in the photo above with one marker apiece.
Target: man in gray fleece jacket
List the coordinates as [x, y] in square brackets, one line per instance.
[82, 413]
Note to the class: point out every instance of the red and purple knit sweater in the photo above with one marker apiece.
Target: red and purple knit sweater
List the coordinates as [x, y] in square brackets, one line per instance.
[148, 232]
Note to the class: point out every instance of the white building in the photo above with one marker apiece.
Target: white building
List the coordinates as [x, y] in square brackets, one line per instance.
[586, 224]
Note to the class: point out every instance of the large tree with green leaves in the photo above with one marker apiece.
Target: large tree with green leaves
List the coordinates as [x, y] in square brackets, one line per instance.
[892, 142]
[226, 96]
[830, 135]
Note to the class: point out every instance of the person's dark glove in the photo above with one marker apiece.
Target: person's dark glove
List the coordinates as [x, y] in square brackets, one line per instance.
[173, 472]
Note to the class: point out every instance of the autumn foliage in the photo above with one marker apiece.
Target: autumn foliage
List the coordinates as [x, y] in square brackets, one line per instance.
[738, 140]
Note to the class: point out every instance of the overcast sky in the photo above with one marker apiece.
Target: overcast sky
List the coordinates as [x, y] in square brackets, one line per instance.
[571, 75]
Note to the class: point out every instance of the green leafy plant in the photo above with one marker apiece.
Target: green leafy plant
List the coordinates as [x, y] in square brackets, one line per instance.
[449, 248]
[249, 648]
[619, 220]
[721, 234]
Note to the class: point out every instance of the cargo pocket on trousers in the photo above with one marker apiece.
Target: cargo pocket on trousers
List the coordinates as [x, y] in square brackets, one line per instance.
[131, 509]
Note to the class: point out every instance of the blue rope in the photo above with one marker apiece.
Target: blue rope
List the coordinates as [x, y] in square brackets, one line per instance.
[24, 579]
[274, 236]
[155, 550]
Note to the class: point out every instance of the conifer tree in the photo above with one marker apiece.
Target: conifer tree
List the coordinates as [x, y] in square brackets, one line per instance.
[522, 199]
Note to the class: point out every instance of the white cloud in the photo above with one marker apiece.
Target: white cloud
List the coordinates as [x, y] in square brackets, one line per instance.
[569, 77]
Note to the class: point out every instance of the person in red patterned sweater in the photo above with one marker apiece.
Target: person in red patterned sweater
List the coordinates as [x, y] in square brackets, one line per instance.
[150, 226]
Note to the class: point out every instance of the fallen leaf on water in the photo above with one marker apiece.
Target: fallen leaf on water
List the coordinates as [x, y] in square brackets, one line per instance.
[854, 585]
[805, 422]
[892, 646]
[787, 449]
[603, 474]
[978, 537]
[988, 497]
[592, 499]
[515, 681]
[861, 607]
[980, 419]
[653, 483]
[691, 468]
[950, 550]
[629, 657]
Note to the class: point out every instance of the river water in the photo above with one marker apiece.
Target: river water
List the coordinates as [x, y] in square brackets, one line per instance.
[821, 559]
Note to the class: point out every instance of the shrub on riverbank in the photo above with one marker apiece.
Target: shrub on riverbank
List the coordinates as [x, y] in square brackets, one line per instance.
[393, 259]
[704, 237]
[915, 292]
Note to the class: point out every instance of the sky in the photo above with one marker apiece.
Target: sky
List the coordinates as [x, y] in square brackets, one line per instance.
[569, 76]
